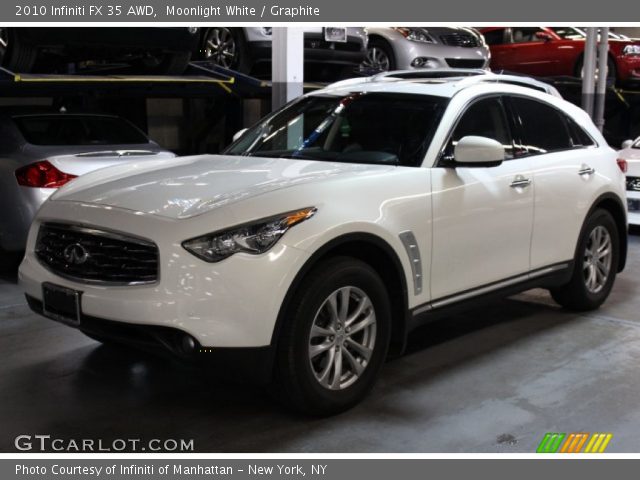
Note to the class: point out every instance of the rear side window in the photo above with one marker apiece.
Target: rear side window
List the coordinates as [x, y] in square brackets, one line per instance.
[543, 129]
[84, 130]
[579, 137]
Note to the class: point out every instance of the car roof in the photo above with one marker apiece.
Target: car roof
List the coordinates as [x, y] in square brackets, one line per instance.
[437, 82]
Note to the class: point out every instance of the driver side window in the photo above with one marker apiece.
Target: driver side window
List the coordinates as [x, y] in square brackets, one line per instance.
[484, 118]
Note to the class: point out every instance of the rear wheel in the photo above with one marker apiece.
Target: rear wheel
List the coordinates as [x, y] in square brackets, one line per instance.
[612, 73]
[335, 338]
[595, 265]
[226, 47]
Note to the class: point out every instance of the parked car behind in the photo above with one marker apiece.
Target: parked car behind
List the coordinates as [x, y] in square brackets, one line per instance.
[554, 51]
[245, 48]
[41, 152]
[630, 153]
[402, 48]
[150, 50]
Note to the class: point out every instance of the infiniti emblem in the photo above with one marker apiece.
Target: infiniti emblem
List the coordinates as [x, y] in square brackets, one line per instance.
[75, 254]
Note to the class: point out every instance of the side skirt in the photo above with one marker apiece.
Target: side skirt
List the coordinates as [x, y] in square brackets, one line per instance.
[546, 277]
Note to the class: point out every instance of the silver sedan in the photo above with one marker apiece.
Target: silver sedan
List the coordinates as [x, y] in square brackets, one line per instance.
[41, 152]
[404, 48]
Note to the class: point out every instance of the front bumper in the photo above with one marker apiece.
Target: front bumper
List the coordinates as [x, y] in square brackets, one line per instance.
[633, 215]
[629, 68]
[252, 364]
[231, 304]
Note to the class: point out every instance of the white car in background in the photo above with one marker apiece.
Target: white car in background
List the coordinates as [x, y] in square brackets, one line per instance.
[403, 48]
[631, 154]
[328, 231]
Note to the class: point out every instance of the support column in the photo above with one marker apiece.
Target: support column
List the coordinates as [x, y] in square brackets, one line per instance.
[589, 70]
[601, 85]
[287, 65]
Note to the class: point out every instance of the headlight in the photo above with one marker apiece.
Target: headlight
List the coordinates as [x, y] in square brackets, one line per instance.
[631, 50]
[416, 34]
[255, 237]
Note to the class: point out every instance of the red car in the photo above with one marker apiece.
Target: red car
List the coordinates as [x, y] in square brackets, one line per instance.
[553, 51]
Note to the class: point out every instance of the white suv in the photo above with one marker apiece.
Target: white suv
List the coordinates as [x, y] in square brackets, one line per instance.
[332, 228]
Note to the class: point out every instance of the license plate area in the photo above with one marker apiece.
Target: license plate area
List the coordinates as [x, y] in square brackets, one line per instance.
[335, 34]
[633, 204]
[61, 304]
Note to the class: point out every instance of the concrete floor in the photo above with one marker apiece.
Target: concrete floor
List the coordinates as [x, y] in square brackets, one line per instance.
[489, 381]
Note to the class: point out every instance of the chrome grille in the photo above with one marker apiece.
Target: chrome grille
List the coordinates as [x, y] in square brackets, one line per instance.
[460, 39]
[633, 184]
[96, 256]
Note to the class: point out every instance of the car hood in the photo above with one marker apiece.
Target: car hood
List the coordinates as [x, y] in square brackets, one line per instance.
[189, 186]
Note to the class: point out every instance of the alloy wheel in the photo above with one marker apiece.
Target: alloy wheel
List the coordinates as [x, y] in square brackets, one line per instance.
[342, 338]
[377, 59]
[597, 259]
[4, 42]
[221, 47]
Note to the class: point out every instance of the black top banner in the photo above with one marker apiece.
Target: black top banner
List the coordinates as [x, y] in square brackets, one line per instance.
[335, 11]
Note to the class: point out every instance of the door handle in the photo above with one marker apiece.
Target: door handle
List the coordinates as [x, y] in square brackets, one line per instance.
[586, 170]
[521, 182]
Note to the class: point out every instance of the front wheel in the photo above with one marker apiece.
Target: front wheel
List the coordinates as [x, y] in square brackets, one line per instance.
[335, 338]
[380, 57]
[596, 264]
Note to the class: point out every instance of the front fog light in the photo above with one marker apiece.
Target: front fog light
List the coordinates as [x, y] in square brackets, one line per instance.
[255, 237]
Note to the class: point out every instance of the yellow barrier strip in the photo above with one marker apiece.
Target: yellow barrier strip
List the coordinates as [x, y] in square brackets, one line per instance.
[596, 445]
[607, 439]
[590, 444]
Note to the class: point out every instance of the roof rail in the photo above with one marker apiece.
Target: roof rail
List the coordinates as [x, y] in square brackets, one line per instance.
[520, 81]
[430, 73]
[469, 77]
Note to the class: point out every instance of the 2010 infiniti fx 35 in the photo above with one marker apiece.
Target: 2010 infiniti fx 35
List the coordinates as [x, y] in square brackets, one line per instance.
[325, 233]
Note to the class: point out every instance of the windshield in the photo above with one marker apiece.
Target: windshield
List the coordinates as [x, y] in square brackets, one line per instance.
[636, 144]
[569, 33]
[57, 130]
[378, 128]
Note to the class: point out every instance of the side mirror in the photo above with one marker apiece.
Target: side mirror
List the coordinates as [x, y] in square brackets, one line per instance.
[238, 134]
[627, 144]
[544, 36]
[472, 151]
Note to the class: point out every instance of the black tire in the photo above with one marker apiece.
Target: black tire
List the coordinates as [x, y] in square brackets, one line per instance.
[241, 61]
[17, 56]
[612, 72]
[575, 295]
[295, 382]
[100, 339]
[385, 48]
[172, 63]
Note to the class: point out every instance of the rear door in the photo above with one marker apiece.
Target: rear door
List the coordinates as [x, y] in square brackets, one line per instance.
[565, 177]
[482, 216]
